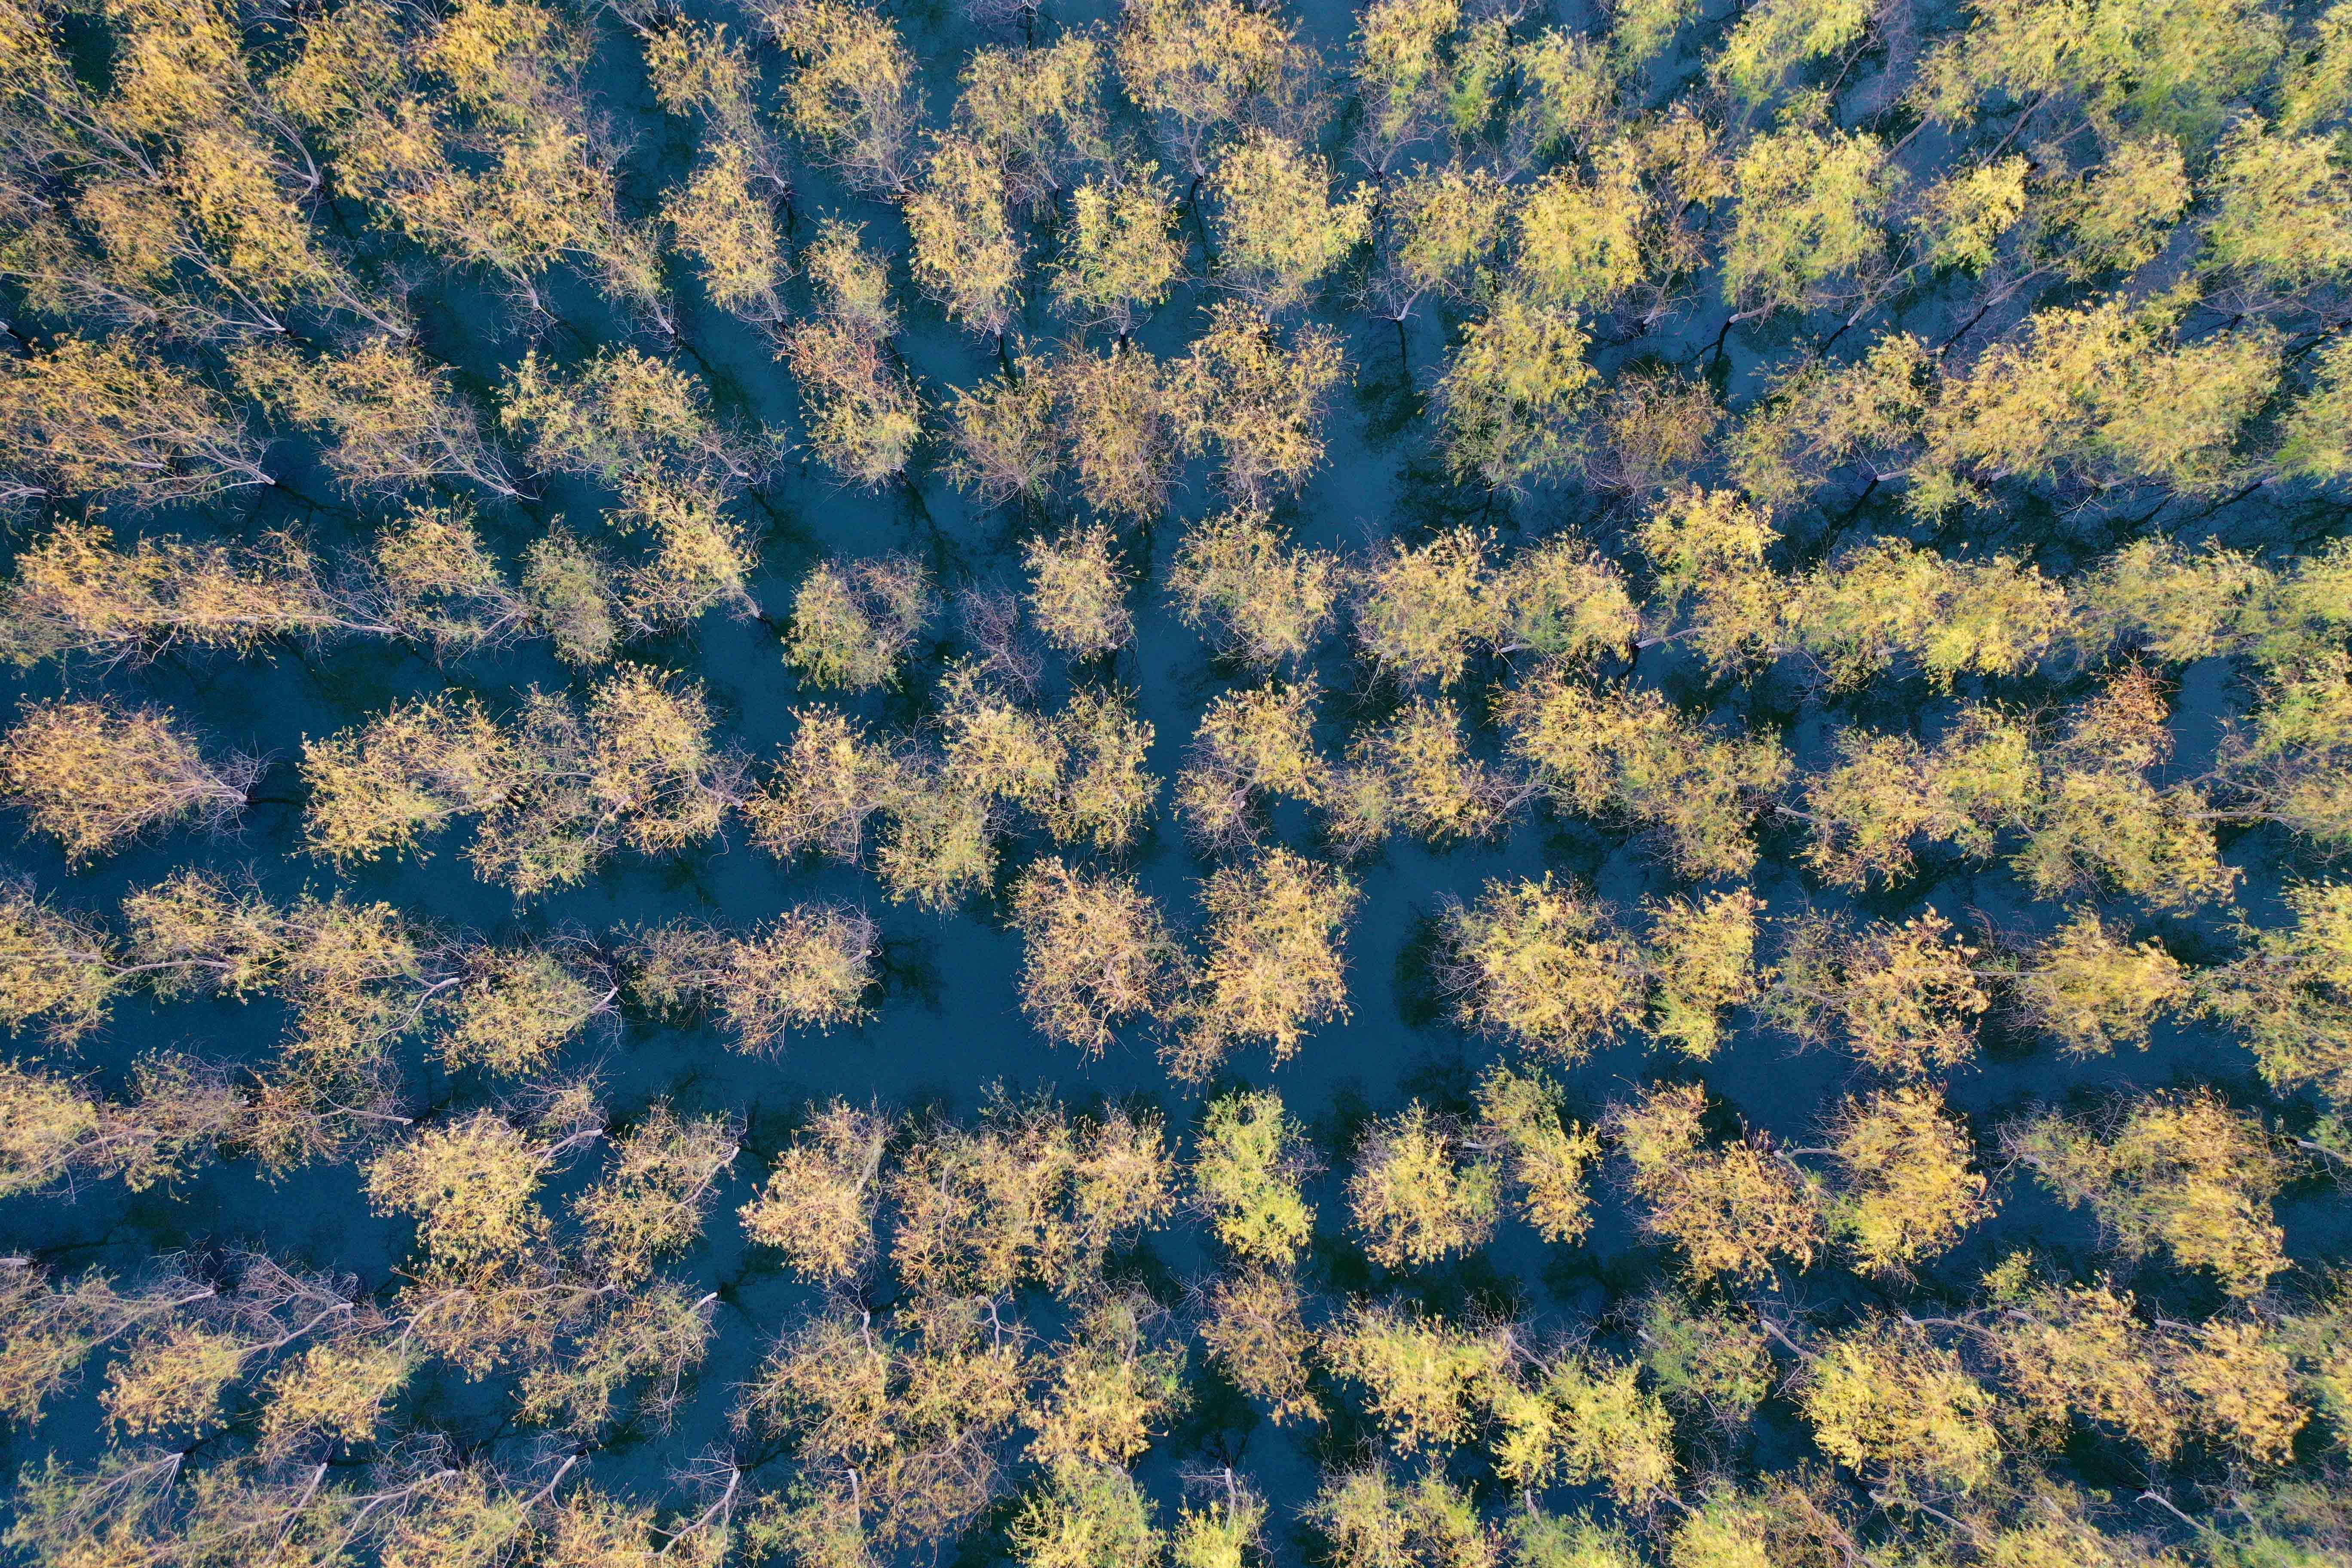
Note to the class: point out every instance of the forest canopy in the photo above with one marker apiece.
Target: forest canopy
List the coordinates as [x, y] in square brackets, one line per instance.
[1475, 783]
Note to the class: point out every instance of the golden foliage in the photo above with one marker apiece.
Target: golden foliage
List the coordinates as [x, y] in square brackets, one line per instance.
[1274, 967]
[1732, 1208]
[1415, 1197]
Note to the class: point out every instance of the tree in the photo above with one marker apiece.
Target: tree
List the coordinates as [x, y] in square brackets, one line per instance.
[1039, 112]
[2080, 1351]
[818, 1204]
[1820, 416]
[1373, 1521]
[1709, 550]
[338, 1390]
[852, 627]
[1808, 206]
[1574, 83]
[1857, 616]
[939, 841]
[509, 1010]
[1415, 772]
[2093, 989]
[1028, 1196]
[1123, 416]
[657, 1335]
[1538, 965]
[2287, 765]
[1544, 1155]
[1258, 400]
[1415, 1197]
[1274, 968]
[93, 773]
[1513, 391]
[1905, 998]
[993, 744]
[655, 774]
[1563, 600]
[827, 784]
[2167, 603]
[651, 1203]
[1007, 445]
[392, 421]
[700, 70]
[1540, 1539]
[1906, 1187]
[1399, 70]
[1437, 227]
[2290, 996]
[1705, 1358]
[384, 786]
[1279, 232]
[1421, 610]
[2240, 1387]
[1585, 241]
[1247, 1171]
[1733, 1208]
[1124, 253]
[966, 254]
[54, 1328]
[1077, 592]
[351, 975]
[808, 969]
[438, 583]
[469, 1184]
[2100, 821]
[2152, 76]
[1197, 65]
[1771, 42]
[2275, 221]
[2106, 393]
[57, 1132]
[1250, 745]
[622, 417]
[864, 408]
[2182, 1172]
[1087, 1516]
[1886, 792]
[1254, 1325]
[1585, 1417]
[728, 225]
[1623, 749]
[2314, 446]
[918, 1421]
[854, 93]
[115, 422]
[1222, 1533]
[1096, 952]
[76, 593]
[1236, 577]
[700, 557]
[570, 589]
[1963, 217]
[1423, 1376]
[1886, 1396]
[1106, 796]
[56, 966]
[1115, 1380]
[1701, 956]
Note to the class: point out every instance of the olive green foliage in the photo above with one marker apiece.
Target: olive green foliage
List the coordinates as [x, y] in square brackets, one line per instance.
[1246, 1176]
